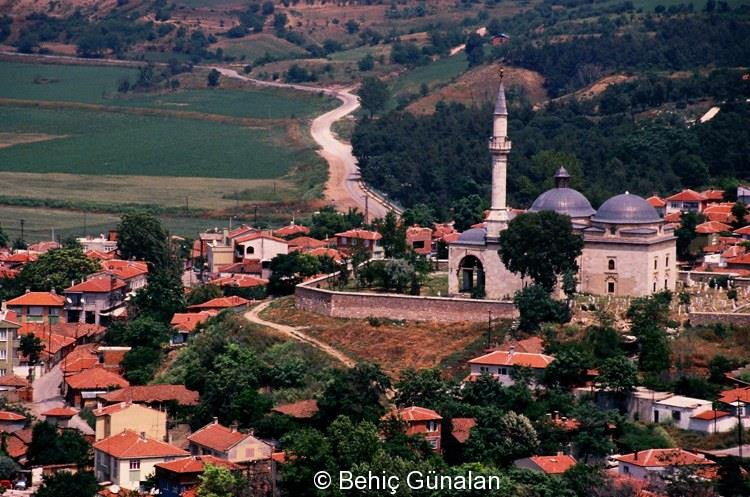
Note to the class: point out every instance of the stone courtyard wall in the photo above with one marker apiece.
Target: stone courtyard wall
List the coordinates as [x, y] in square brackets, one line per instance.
[708, 318]
[362, 305]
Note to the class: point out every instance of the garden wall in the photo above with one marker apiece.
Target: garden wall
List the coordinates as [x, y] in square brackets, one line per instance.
[361, 305]
[708, 318]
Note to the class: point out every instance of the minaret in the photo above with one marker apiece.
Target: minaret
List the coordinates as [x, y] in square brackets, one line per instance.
[497, 220]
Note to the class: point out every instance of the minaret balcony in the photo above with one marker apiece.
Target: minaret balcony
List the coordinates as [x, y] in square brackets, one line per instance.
[499, 144]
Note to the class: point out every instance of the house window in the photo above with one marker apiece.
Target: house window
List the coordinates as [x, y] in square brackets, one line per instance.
[626, 470]
[3, 371]
[3, 354]
[666, 263]
[433, 443]
[666, 284]
[611, 264]
[656, 262]
[3, 335]
[676, 416]
[654, 286]
[610, 287]
[419, 244]
[135, 464]
[35, 313]
[432, 426]
[484, 369]
[250, 250]
[503, 371]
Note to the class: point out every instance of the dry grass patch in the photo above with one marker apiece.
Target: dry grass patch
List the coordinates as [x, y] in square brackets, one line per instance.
[10, 139]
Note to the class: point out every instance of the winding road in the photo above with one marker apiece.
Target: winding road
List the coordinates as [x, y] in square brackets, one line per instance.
[344, 187]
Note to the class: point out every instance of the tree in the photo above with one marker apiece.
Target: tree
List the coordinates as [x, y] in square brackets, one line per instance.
[204, 293]
[468, 211]
[163, 296]
[398, 274]
[289, 270]
[8, 468]
[739, 211]
[140, 236]
[4, 240]
[213, 78]
[617, 374]
[216, 481]
[66, 484]
[536, 307]
[327, 222]
[475, 49]
[686, 234]
[47, 447]
[541, 246]
[56, 270]
[655, 352]
[354, 393]
[366, 63]
[31, 346]
[373, 95]
[602, 339]
[567, 370]
[424, 388]
[420, 215]
[691, 169]
[394, 236]
[499, 439]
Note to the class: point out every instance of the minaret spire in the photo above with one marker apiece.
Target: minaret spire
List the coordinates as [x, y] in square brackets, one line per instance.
[497, 221]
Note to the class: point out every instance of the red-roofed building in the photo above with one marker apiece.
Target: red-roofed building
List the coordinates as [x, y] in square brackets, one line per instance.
[234, 303]
[686, 200]
[419, 239]
[184, 324]
[37, 307]
[81, 389]
[349, 241]
[11, 422]
[658, 203]
[59, 416]
[100, 256]
[743, 232]
[128, 458]
[292, 230]
[501, 363]
[183, 475]
[95, 300]
[245, 285]
[303, 243]
[156, 396]
[228, 444]
[9, 341]
[461, 428]
[56, 346]
[248, 266]
[18, 259]
[334, 254]
[712, 227]
[133, 273]
[713, 422]
[422, 422]
[713, 196]
[720, 212]
[17, 444]
[643, 464]
[304, 409]
[115, 418]
[259, 245]
[551, 465]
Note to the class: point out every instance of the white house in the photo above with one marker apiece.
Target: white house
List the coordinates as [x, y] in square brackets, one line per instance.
[259, 245]
[502, 363]
[713, 422]
[643, 465]
[678, 410]
[128, 458]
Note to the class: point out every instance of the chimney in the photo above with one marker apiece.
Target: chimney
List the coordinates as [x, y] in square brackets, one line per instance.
[53, 291]
[216, 420]
[4, 306]
[635, 456]
[560, 453]
[143, 435]
[233, 426]
[556, 415]
[28, 290]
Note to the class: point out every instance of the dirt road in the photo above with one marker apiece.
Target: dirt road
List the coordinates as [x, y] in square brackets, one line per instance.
[344, 188]
[295, 333]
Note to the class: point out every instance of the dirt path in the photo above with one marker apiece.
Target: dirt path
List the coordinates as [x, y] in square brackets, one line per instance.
[344, 187]
[295, 333]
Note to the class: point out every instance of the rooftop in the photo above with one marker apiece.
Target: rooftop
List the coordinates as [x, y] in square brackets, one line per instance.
[304, 409]
[129, 445]
[682, 401]
[11, 416]
[187, 321]
[413, 413]
[664, 457]
[462, 428]
[96, 378]
[554, 465]
[221, 303]
[149, 394]
[626, 209]
[195, 464]
[512, 358]
[361, 234]
[217, 437]
[45, 299]
[97, 284]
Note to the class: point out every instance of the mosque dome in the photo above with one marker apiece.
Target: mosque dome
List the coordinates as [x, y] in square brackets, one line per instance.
[473, 236]
[562, 199]
[626, 209]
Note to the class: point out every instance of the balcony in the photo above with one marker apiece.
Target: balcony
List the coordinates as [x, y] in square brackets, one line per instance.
[500, 144]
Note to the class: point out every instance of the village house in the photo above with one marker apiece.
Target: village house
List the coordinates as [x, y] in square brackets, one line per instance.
[501, 364]
[737, 403]
[233, 303]
[244, 285]
[184, 324]
[658, 203]
[15, 389]
[181, 475]
[133, 273]
[9, 343]
[56, 347]
[679, 410]
[95, 300]
[292, 230]
[229, 444]
[350, 241]
[304, 243]
[116, 418]
[461, 429]
[17, 444]
[159, 397]
[686, 201]
[422, 422]
[60, 416]
[645, 464]
[128, 458]
[713, 421]
[550, 465]
[81, 389]
[261, 246]
[37, 307]
[101, 243]
[11, 422]
[419, 239]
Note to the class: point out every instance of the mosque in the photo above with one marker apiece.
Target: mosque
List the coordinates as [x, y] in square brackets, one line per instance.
[628, 248]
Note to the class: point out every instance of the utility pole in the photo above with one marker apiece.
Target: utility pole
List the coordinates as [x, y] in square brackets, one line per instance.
[489, 329]
[739, 425]
[255, 217]
[367, 208]
[22, 223]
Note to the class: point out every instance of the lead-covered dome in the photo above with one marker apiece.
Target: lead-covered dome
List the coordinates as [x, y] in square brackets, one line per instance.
[473, 236]
[626, 209]
[563, 201]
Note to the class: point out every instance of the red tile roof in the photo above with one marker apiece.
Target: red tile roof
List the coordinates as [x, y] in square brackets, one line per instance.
[687, 196]
[247, 266]
[222, 303]
[532, 345]
[512, 358]
[291, 230]
[554, 465]
[304, 409]
[195, 464]
[46, 299]
[742, 259]
[96, 378]
[53, 342]
[305, 242]
[16, 447]
[20, 257]
[60, 412]
[735, 394]
[239, 281]
[664, 457]
[101, 256]
[328, 252]
[462, 428]
[11, 380]
[10, 319]
[70, 330]
[11, 416]
[43, 247]
[97, 284]
[244, 228]
[187, 321]
[745, 230]
[413, 413]
[217, 437]
[111, 409]
[673, 217]
[255, 236]
[713, 194]
[130, 445]
[125, 270]
[361, 234]
[150, 394]
[567, 424]
[656, 202]
[712, 227]
[710, 415]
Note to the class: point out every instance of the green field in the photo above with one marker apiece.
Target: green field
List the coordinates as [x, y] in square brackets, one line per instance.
[112, 143]
[437, 73]
[98, 85]
[256, 46]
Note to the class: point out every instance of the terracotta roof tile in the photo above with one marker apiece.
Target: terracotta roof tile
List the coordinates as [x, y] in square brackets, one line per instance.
[554, 465]
[195, 464]
[11, 416]
[149, 394]
[60, 412]
[125, 270]
[222, 303]
[239, 281]
[360, 234]
[291, 230]
[96, 378]
[414, 413]
[255, 236]
[664, 457]
[511, 358]
[304, 409]
[328, 252]
[712, 227]
[686, 196]
[16, 447]
[187, 321]
[713, 194]
[673, 217]
[462, 428]
[217, 437]
[11, 380]
[305, 242]
[46, 299]
[735, 394]
[656, 202]
[130, 445]
[247, 266]
[710, 415]
[97, 284]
